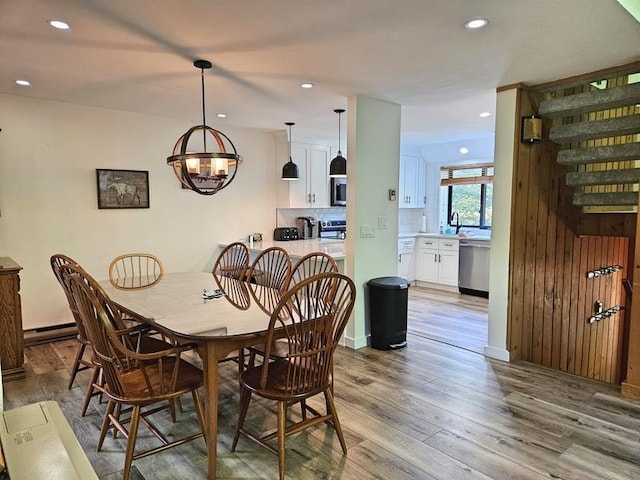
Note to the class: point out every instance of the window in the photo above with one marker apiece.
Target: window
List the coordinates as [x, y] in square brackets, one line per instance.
[470, 194]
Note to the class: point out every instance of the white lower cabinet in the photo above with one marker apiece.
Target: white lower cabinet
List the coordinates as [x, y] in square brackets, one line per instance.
[438, 260]
[406, 263]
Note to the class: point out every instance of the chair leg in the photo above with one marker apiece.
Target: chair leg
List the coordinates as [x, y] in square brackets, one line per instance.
[336, 422]
[90, 390]
[245, 398]
[282, 425]
[200, 412]
[76, 364]
[241, 364]
[131, 442]
[105, 423]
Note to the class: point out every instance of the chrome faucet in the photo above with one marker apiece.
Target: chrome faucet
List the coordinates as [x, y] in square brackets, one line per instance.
[457, 224]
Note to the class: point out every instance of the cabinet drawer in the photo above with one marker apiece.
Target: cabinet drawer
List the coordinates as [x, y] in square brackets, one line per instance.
[406, 244]
[428, 243]
[446, 244]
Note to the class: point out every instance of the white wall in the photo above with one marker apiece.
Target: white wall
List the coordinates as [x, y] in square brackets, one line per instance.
[506, 104]
[49, 153]
[372, 169]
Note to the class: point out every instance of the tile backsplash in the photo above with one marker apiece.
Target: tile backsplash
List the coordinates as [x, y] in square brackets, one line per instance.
[286, 217]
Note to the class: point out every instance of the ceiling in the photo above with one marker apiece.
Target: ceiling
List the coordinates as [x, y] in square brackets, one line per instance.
[138, 56]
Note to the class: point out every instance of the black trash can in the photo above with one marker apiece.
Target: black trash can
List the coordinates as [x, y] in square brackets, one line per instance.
[388, 297]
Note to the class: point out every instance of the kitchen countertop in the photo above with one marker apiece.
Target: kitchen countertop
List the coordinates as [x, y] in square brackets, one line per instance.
[300, 248]
[462, 236]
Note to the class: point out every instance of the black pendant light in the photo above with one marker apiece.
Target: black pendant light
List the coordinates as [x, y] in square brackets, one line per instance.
[206, 172]
[338, 166]
[290, 169]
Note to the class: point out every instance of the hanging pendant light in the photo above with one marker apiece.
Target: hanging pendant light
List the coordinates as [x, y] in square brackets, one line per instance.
[206, 172]
[290, 169]
[338, 166]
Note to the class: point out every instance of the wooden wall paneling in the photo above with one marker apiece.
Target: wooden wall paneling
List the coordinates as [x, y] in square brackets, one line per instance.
[631, 385]
[540, 300]
[566, 349]
[559, 298]
[555, 242]
[596, 329]
[609, 291]
[582, 302]
[518, 242]
[573, 350]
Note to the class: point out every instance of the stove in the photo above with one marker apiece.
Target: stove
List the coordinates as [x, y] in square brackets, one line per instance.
[333, 229]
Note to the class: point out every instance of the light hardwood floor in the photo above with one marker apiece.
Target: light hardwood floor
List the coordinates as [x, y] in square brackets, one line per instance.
[429, 411]
[459, 320]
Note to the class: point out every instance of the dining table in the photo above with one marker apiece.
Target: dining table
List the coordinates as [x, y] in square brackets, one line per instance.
[181, 303]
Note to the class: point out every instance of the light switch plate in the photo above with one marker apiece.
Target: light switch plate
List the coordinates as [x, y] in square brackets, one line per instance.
[383, 222]
[367, 231]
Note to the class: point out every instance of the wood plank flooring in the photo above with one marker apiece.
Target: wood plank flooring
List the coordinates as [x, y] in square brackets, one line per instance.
[429, 411]
[452, 318]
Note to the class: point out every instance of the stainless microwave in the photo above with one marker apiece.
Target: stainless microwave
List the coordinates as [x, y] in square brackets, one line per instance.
[338, 192]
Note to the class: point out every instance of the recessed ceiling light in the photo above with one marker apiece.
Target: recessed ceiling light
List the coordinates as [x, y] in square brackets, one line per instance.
[221, 115]
[59, 24]
[485, 114]
[463, 150]
[23, 83]
[476, 23]
[306, 85]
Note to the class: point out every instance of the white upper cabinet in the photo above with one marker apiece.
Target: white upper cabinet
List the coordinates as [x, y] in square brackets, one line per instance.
[312, 189]
[412, 182]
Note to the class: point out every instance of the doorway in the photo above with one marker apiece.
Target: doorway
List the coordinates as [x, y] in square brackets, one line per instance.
[448, 317]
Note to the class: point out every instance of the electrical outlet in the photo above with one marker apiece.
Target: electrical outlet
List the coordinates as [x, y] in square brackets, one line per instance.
[383, 222]
[367, 231]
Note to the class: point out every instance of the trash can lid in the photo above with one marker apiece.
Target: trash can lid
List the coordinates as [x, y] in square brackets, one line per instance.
[395, 283]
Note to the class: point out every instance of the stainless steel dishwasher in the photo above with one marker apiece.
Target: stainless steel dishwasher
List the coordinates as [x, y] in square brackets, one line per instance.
[473, 273]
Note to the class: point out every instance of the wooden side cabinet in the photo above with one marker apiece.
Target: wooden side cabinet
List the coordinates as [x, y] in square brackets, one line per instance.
[11, 335]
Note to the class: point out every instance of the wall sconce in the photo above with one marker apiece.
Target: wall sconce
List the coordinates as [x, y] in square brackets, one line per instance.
[531, 129]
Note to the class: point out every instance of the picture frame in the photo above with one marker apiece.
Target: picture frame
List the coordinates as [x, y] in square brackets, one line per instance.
[122, 188]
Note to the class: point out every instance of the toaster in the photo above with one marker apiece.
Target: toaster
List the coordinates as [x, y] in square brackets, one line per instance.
[285, 233]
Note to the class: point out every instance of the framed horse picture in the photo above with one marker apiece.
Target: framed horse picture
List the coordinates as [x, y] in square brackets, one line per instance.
[122, 188]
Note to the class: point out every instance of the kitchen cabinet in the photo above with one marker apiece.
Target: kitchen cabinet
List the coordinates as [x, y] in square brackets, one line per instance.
[412, 182]
[438, 260]
[406, 262]
[312, 189]
[11, 335]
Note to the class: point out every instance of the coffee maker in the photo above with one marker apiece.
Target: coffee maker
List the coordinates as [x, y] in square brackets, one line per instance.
[308, 227]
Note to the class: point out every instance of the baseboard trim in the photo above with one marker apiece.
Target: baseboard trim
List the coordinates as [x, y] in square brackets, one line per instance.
[55, 333]
[355, 343]
[497, 353]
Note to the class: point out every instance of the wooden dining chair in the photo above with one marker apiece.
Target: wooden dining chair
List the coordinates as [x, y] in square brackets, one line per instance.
[134, 379]
[80, 363]
[134, 271]
[312, 316]
[230, 274]
[310, 265]
[267, 277]
[140, 337]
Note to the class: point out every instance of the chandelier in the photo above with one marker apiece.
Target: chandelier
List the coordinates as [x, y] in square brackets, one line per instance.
[204, 172]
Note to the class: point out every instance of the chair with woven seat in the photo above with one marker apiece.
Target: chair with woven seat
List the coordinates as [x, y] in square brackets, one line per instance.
[310, 265]
[133, 379]
[312, 316]
[134, 271]
[58, 261]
